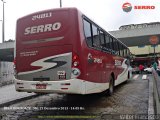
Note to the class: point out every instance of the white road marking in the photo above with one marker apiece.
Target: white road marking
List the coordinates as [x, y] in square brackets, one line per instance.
[144, 77]
[135, 77]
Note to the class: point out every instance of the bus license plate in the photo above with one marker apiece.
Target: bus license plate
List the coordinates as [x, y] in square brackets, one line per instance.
[41, 86]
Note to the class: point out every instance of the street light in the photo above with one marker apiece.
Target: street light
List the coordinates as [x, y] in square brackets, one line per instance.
[3, 31]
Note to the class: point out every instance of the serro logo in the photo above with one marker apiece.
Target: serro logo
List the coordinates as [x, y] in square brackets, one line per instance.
[42, 28]
[127, 7]
[144, 7]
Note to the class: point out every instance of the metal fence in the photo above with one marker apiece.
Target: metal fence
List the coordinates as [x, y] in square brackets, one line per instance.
[156, 92]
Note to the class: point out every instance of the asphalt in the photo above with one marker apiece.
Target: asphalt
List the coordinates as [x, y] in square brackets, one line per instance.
[126, 99]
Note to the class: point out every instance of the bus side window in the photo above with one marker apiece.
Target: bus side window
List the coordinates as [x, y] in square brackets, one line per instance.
[87, 32]
[125, 52]
[117, 47]
[112, 45]
[121, 49]
[107, 42]
[96, 40]
[102, 39]
[128, 52]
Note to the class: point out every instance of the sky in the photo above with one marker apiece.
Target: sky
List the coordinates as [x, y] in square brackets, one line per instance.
[106, 13]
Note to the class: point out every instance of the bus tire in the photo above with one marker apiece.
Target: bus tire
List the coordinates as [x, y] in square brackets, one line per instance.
[129, 75]
[111, 86]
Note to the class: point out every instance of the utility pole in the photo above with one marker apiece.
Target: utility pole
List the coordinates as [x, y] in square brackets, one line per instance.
[154, 52]
[3, 21]
[60, 3]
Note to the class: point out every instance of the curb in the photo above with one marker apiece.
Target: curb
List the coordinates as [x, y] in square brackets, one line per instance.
[150, 101]
[8, 103]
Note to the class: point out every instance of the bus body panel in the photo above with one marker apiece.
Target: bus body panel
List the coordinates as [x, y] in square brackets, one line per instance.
[47, 43]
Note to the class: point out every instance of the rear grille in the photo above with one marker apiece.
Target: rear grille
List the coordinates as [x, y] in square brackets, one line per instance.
[41, 79]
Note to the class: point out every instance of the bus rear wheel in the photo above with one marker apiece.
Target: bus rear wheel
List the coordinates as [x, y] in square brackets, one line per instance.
[129, 76]
[111, 86]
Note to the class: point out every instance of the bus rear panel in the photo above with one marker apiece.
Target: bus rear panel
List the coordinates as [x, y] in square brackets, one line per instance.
[45, 43]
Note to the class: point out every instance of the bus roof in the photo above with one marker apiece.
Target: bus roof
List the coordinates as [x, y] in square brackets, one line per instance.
[54, 9]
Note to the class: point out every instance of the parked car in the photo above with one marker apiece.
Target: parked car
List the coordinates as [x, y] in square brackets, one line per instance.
[148, 70]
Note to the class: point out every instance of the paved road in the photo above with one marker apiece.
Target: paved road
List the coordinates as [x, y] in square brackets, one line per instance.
[128, 98]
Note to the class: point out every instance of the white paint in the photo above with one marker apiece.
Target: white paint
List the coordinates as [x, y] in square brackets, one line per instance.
[42, 28]
[124, 75]
[135, 77]
[42, 64]
[144, 77]
[42, 16]
[77, 86]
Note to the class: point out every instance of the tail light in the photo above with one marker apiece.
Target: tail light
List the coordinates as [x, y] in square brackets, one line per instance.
[14, 62]
[75, 66]
[75, 61]
[14, 66]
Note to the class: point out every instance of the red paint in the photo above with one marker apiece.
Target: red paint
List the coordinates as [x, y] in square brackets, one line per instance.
[144, 7]
[126, 5]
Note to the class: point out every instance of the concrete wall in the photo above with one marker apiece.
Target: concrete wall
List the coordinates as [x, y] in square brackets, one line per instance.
[7, 45]
[6, 73]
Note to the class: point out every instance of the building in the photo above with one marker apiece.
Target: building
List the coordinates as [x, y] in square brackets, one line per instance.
[137, 38]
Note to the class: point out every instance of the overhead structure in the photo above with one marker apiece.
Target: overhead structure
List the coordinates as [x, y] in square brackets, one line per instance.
[137, 38]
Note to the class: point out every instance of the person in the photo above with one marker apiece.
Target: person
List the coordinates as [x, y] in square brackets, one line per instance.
[141, 68]
[155, 65]
[158, 68]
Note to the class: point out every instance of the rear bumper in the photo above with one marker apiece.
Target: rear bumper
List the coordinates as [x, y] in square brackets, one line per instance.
[72, 86]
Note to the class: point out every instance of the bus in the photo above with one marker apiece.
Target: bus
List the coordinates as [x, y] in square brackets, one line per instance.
[63, 51]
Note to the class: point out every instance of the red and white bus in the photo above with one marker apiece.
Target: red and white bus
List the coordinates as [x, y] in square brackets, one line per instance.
[63, 51]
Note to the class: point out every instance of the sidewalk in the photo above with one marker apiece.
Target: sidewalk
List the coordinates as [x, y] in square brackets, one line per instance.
[9, 94]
